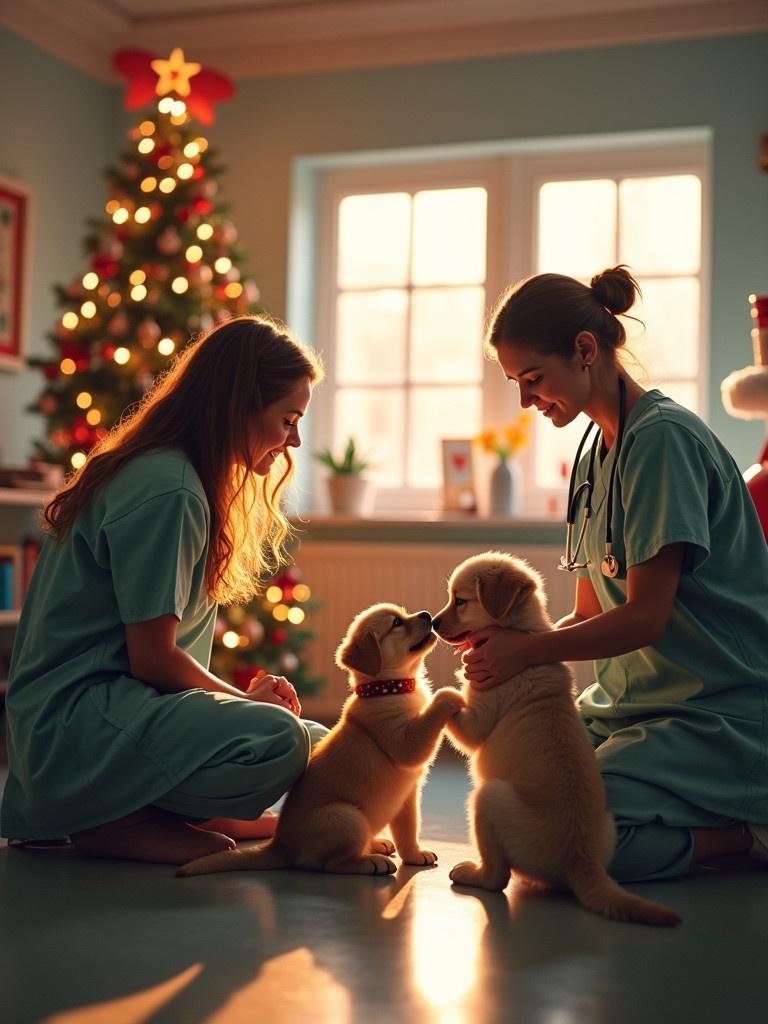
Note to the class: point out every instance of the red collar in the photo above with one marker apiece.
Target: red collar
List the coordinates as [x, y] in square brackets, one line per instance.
[381, 687]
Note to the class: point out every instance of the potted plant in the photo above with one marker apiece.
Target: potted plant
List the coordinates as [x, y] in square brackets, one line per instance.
[348, 489]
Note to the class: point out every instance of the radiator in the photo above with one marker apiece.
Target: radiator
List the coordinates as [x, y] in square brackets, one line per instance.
[348, 577]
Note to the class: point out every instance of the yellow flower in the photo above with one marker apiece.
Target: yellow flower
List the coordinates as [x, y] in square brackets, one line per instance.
[509, 439]
[487, 440]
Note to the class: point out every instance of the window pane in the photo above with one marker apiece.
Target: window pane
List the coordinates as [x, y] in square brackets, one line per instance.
[435, 414]
[661, 224]
[374, 236]
[555, 450]
[577, 227]
[446, 334]
[449, 236]
[370, 338]
[376, 419]
[684, 392]
[669, 345]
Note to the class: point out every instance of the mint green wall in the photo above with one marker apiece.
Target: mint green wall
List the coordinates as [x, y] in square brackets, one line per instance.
[60, 129]
[721, 84]
[57, 133]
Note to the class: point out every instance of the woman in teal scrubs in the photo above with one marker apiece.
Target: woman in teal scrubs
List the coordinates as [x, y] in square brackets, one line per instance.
[118, 735]
[678, 712]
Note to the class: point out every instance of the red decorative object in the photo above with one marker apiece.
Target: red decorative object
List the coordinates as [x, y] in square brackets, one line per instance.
[757, 486]
[150, 78]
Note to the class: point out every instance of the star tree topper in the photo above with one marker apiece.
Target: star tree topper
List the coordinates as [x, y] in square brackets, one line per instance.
[149, 76]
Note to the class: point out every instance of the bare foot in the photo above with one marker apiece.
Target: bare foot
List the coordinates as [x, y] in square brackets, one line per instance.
[240, 828]
[152, 835]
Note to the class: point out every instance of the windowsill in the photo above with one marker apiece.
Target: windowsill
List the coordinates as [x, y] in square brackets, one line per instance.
[437, 527]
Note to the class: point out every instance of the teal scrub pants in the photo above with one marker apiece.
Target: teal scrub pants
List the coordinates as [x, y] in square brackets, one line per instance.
[654, 838]
[249, 772]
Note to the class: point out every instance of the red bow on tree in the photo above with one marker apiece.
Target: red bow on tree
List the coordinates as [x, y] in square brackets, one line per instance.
[149, 77]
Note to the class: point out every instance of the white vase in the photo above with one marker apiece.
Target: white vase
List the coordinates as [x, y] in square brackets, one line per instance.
[504, 492]
[349, 494]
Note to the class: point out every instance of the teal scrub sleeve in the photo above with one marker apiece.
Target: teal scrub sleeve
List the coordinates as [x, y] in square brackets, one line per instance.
[153, 552]
[666, 480]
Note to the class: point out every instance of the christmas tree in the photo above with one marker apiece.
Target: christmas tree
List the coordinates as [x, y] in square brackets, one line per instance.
[268, 633]
[163, 265]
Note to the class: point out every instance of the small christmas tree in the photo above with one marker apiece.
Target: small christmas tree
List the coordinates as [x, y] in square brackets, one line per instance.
[163, 265]
[268, 633]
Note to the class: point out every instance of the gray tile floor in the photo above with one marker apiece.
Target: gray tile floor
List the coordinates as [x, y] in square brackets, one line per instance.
[99, 942]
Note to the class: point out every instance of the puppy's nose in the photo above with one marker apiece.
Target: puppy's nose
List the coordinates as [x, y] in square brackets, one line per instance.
[436, 624]
[425, 615]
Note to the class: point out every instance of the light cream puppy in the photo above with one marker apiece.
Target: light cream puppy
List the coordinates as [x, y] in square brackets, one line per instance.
[538, 808]
[368, 771]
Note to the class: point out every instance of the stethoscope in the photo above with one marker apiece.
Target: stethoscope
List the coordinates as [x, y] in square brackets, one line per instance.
[609, 565]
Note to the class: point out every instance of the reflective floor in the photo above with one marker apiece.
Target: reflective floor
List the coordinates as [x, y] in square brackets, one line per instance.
[119, 943]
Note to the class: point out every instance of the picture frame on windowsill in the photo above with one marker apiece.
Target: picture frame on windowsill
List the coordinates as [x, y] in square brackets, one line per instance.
[15, 251]
[459, 494]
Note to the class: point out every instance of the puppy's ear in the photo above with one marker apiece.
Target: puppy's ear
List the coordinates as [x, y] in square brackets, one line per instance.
[360, 652]
[498, 592]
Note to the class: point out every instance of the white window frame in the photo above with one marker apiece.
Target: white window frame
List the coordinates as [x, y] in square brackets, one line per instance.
[512, 181]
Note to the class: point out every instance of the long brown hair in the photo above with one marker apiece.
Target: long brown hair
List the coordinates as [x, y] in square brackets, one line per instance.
[548, 311]
[207, 404]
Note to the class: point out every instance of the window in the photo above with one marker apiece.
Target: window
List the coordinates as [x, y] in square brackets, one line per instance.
[413, 258]
[653, 223]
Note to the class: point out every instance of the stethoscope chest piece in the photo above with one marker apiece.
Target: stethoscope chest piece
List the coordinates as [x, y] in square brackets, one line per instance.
[610, 566]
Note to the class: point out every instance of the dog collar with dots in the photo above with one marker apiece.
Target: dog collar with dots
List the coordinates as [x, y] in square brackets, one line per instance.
[381, 687]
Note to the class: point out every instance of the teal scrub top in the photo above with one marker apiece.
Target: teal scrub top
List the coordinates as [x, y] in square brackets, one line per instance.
[88, 743]
[690, 714]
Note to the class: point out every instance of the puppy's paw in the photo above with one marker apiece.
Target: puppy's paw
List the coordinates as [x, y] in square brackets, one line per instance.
[448, 700]
[465, 873]
[421, 858]
[381, 865]
[381, 846]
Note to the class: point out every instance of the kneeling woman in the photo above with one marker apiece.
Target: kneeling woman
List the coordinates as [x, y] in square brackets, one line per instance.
[671, 595]
[118, 735]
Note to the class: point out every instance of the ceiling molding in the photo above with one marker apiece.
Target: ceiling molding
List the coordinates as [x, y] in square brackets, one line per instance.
[327, 35]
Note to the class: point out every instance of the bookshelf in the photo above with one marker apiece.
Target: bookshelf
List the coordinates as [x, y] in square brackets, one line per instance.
[19, 518]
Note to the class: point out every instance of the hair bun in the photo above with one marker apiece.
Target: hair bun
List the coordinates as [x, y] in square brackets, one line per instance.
[615, 288]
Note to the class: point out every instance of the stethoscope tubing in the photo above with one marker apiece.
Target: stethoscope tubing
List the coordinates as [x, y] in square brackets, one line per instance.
[610, 565]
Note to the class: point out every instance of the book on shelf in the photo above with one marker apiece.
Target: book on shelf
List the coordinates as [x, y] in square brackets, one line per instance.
[10, 578]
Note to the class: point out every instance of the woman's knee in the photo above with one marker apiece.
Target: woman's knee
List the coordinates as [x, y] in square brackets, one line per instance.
[650, 852]
[288, 739]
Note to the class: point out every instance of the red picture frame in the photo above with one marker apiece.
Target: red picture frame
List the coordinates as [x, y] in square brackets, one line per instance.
[15, 214]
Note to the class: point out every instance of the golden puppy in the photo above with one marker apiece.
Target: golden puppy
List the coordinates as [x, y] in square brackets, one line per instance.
[368, 771]
[538, 808]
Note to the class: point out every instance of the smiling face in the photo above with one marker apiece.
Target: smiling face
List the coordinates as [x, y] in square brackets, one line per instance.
[386, 642]
[279, 427]
[557, 387]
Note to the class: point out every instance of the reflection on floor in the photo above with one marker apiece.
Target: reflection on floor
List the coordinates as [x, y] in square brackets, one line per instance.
[119, 943]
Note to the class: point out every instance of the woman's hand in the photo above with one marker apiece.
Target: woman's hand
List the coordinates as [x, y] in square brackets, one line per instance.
[274, 690]
[491, 655]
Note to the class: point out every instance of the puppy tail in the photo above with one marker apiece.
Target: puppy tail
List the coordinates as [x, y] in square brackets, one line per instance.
[597, 891]
[267, 858]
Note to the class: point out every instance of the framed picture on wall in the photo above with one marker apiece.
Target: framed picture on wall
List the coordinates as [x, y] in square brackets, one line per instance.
[458, 476]
[15, 242]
